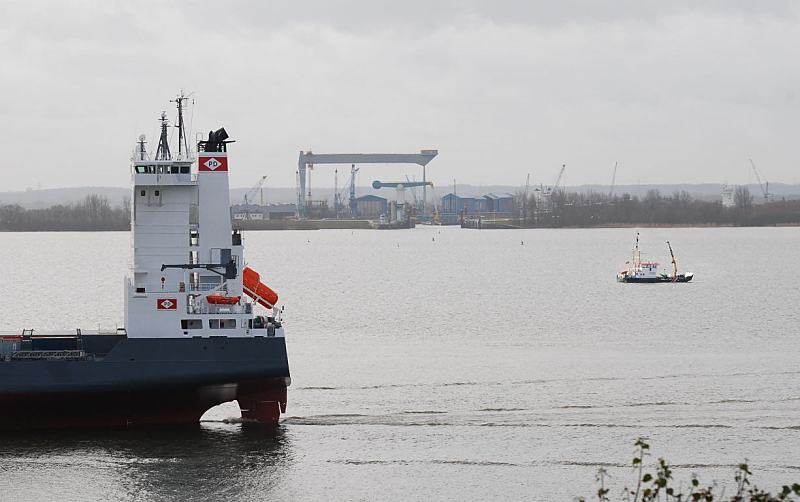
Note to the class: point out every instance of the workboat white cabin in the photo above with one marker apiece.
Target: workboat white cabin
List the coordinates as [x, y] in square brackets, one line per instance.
[648, 271]
[200, 326]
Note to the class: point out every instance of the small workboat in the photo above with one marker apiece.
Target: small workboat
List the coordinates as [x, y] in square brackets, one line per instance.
[647, 271]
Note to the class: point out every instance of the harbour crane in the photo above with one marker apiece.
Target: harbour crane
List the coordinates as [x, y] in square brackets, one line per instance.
[401, 187]
[413, 192]
[613, 181]
[353, 206]
[250, 194]
[525, 198]
[560, 175]
[763, 186]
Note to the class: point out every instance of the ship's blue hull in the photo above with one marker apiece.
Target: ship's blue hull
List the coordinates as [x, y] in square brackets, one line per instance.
[147, 382]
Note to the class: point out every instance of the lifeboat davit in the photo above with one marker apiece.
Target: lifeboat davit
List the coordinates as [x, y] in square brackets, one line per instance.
[257, 290]
[222, 300]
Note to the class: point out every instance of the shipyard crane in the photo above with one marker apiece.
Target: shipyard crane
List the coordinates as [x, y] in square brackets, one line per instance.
[763, 186]
[250, 194]
[413, 193]
[401, 187]
[560, 175]
[309, 159]
[613, 181]
[525, 198]
[353, 206]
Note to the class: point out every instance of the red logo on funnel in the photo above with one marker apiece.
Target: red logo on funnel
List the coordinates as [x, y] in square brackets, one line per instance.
[212, 164]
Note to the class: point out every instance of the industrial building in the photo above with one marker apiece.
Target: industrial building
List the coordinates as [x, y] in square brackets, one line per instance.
[370, 206]
[454, 206]
[265, 212]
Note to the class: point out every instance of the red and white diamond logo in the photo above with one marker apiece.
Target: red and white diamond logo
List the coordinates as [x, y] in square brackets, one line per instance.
[167, 303]
[213, 164]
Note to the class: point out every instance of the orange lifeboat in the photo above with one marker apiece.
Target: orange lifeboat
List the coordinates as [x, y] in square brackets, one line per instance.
[222, 300]
[257, 290]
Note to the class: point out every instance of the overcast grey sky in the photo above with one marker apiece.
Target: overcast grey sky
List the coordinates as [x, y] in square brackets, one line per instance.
[679, 91]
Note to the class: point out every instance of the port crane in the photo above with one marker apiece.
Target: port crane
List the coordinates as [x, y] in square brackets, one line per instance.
[525, 198]
[613, 181]
[560, 175]
[763, 186]
[401, 187]
[257, 188]
[307, 160]
[353, 207]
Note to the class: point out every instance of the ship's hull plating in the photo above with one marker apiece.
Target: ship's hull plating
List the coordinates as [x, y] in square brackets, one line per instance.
[148, 382]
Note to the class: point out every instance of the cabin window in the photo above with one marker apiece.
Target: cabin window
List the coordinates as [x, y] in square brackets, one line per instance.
[143, 193]
[157, 193]
[174, 169]
[222, 323]
[191, 324]
[140, 169]
[184, 169]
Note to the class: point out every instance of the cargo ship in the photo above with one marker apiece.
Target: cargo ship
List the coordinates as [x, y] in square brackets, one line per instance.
[193, 335]
[648, 271]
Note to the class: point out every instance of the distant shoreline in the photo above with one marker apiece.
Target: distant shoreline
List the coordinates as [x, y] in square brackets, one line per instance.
[361, 227]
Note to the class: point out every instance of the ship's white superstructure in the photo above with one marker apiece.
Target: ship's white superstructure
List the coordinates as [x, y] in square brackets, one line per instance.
[188, 263]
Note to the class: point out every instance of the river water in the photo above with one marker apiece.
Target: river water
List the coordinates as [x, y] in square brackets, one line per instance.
[450, 364]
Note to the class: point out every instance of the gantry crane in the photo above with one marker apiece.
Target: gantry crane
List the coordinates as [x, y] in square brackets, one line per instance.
[401, 187]
[309, 159]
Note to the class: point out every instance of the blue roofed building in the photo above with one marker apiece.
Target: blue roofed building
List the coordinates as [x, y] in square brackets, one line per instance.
[454, 206]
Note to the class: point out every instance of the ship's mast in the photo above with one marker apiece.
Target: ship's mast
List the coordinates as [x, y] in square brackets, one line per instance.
[142, 150]
[183, 144]
[163, 143]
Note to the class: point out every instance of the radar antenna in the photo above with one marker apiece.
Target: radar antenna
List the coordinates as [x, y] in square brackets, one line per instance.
[183, 144]
[163, 144]
[142, 149]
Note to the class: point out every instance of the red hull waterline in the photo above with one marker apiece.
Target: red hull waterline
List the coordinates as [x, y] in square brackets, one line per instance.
[177, 407]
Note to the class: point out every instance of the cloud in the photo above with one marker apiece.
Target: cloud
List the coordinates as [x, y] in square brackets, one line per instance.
[675, 91]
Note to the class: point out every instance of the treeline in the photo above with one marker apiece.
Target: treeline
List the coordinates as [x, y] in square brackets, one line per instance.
[91, 214]
[567, 209]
